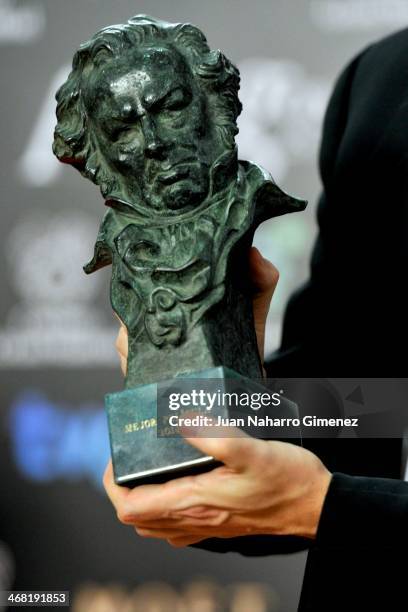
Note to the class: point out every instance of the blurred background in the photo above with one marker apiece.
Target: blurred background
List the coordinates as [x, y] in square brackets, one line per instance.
[57, 358]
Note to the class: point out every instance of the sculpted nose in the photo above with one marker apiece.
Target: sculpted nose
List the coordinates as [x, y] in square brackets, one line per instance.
[153, 145]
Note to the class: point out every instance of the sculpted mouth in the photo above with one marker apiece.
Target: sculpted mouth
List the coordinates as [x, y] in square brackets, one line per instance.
[177, 173]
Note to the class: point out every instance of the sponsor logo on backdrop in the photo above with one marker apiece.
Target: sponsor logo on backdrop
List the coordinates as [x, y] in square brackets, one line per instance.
[37, 166]
[56, 320]
[344, 15]
[21, 23]
[283, 109]
[51, 442]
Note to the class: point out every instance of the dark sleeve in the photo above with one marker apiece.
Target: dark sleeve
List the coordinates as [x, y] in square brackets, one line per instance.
[328, 323]
[357, 561]
[364, 512]
[304, 325]
[255, 546]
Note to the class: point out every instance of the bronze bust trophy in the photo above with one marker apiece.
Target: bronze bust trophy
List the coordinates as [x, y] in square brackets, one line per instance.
[149, 114]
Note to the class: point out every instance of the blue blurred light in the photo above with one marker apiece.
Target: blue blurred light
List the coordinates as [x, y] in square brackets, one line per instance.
[53, 442]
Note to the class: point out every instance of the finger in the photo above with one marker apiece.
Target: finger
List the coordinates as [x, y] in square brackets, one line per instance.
[182, 541]
[115, 314]
[165, 534]
[235, 449]
[137, 504]
[153, 502]
[264, 275]
[122, 341]
[122, 348]
[264, 278]
[191, 519]
[117, 495]
[181, 499]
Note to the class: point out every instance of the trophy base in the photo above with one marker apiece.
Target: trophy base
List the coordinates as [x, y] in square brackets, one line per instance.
[168, 472]
[141, 454]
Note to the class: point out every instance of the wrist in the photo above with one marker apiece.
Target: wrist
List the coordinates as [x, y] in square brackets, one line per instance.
[312, 504]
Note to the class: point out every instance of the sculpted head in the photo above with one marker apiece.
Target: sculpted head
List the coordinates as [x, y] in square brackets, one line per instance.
[149, 114]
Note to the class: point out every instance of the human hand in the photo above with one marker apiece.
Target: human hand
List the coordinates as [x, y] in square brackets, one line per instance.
[264, 487]
[264, 277]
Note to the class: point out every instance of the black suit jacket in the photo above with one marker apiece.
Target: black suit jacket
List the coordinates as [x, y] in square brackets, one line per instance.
[357, 300]
[349, 320]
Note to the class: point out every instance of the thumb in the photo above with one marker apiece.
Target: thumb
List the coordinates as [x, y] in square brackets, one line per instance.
[230, 445]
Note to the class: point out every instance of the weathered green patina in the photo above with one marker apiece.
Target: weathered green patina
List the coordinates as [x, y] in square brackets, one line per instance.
[149, 114]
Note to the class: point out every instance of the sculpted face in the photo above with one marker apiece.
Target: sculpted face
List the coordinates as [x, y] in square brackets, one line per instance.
[149, 118]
